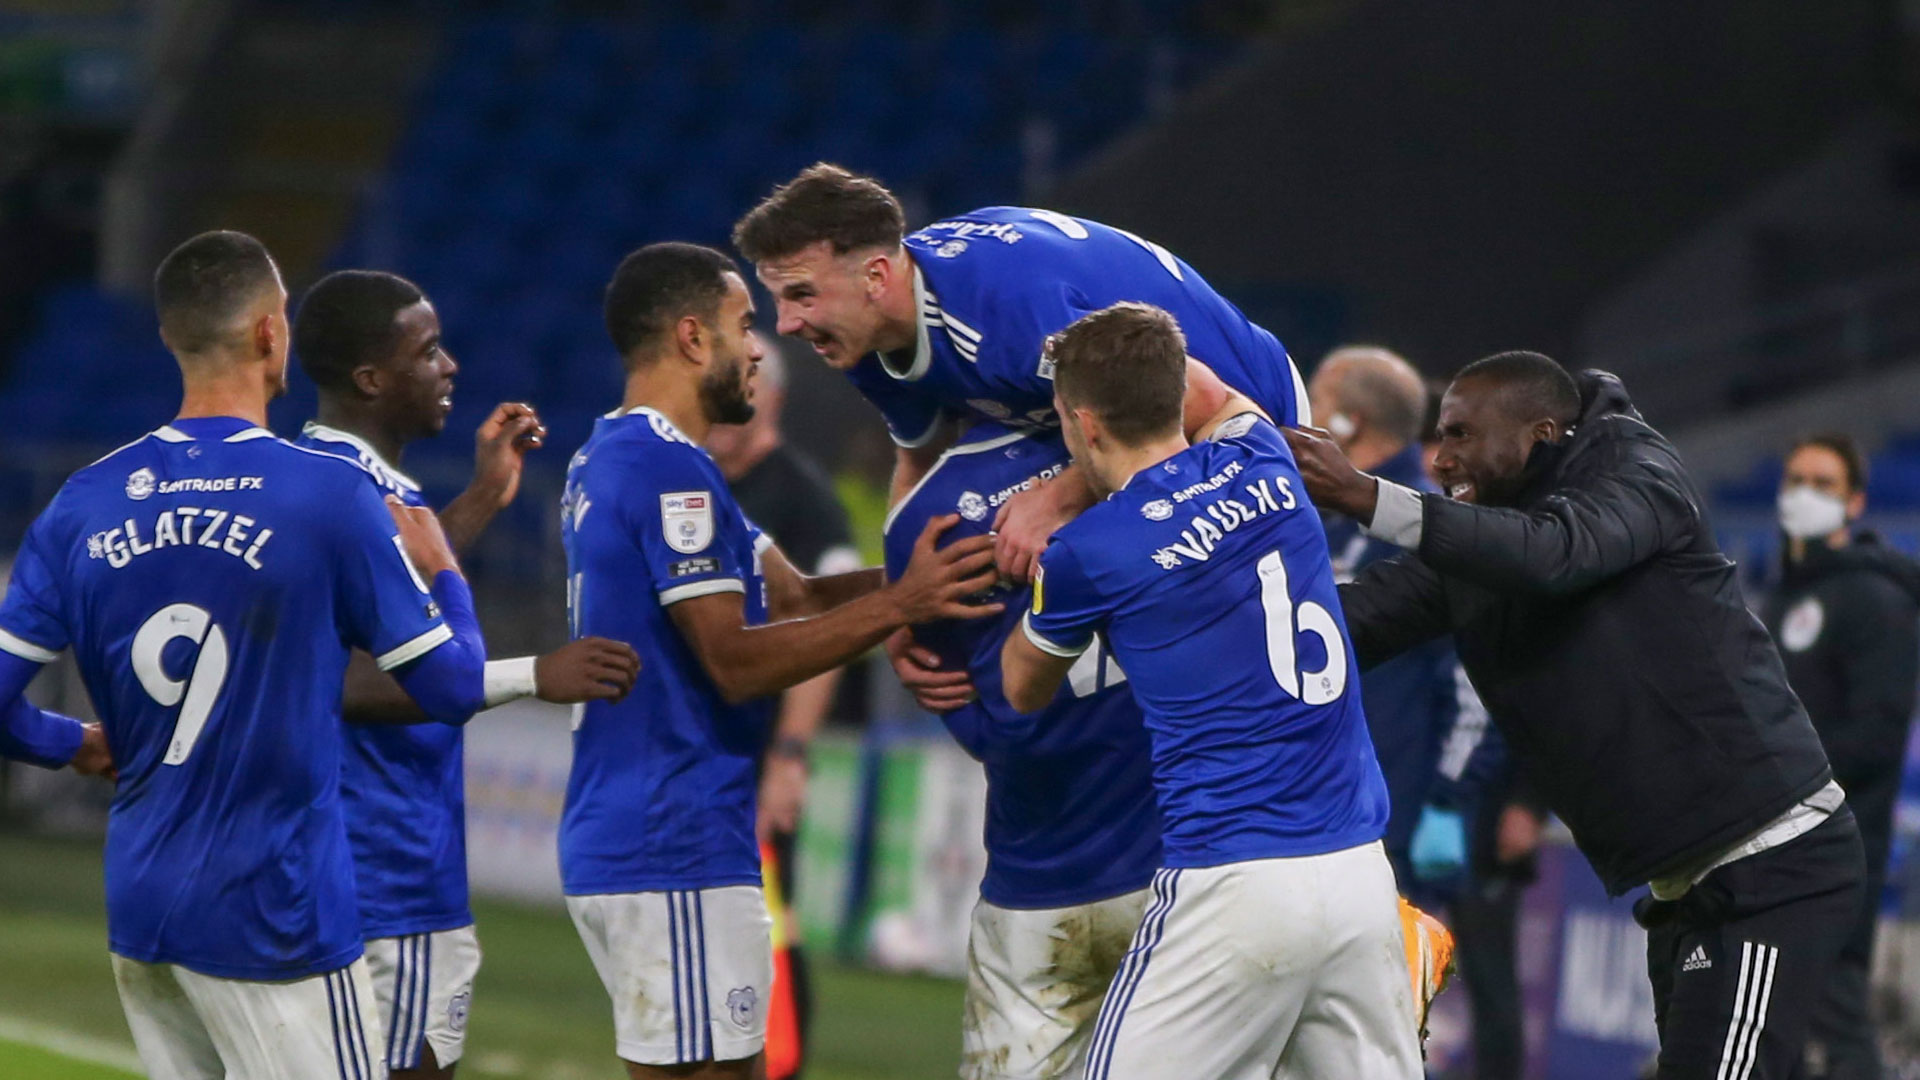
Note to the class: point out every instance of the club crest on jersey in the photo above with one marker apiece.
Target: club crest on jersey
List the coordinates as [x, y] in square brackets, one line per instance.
[1802, 626]
[686, 518]
[973, 506]
[1157, 510]
[741, 1003]
[457, 1011]
[140, 485]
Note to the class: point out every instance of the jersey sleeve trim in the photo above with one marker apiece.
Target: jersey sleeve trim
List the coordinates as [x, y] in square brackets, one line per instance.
[701, 588]
[1302, 406]
[413, 650]
[1051, 648]
[761, 543]
[915, 442]
[27, 650]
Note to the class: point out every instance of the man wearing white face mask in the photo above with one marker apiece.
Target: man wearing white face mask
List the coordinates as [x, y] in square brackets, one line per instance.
[1847, 618]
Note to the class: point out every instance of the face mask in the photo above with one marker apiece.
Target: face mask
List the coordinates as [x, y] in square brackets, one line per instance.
[1806, 514]
[1341, 426]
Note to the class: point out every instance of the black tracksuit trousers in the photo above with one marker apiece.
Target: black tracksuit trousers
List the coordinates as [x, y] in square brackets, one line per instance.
[1739, 963]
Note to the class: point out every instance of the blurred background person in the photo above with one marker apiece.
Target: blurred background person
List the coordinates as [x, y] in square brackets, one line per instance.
[1847, 618]
[787, 494]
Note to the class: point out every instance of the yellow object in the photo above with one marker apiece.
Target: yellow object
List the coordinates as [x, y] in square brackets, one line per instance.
[1429, 960]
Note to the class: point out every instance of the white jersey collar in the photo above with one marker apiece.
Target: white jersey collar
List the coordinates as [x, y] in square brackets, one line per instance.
[926, 309]
[368, 454]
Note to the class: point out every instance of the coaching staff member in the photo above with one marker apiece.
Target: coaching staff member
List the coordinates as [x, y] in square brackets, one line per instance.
[1847, 617]
[1605, 631]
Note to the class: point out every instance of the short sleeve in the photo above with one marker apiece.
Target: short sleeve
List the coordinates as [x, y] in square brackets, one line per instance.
[32, 621]
[688, 528]
[1066, 611]
[383, 604]
[913, 416]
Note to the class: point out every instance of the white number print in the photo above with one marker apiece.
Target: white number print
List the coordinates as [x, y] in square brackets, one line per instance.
[196, 694]
[1095, 670]
[1076, 231]
[1312, 687]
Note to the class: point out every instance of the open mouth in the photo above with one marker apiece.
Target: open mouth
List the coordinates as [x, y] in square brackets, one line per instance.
[1461, 492]
[445, 400]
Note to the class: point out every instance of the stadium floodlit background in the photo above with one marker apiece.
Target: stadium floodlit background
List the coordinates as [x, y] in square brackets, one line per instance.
[1719, 201]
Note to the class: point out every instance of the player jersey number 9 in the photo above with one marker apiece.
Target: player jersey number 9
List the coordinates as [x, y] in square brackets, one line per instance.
[196, 694]
[1284, 622]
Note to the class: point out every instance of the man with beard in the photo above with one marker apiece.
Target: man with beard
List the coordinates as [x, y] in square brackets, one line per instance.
[370, 341]
[657, 851]
[1844, 616]
[1606, 633]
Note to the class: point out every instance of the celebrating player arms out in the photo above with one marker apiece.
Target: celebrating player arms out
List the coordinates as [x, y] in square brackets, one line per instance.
[210, 580]
[371, 343]
[1073, 833]
[1273, 943]
[657, 849]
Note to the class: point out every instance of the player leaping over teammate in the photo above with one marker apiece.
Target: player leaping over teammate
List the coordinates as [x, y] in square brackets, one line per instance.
[657, 849]
[210, 580]
[1073, 834]
[1273, 945]
[371, 343]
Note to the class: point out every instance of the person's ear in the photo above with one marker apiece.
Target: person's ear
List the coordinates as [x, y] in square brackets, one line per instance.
[1092, 432]
[367, 379]
[266, 338]
[1856, 505]
[877, 273]
[1547, 431]
[692, 338]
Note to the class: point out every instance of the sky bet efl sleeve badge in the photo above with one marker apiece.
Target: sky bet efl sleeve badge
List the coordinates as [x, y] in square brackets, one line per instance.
[687, 519]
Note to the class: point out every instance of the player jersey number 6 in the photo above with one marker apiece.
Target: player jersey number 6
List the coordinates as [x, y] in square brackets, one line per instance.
[1311, 687]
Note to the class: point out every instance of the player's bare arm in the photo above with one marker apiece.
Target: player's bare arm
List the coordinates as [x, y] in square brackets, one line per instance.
[794, 595]
[747, 662]
[499, 459]
[1029, 519]
[912, 463]
[1332, 481]
[1029, 676]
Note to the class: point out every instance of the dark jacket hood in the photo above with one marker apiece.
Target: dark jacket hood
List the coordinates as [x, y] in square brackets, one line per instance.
[1866, 554]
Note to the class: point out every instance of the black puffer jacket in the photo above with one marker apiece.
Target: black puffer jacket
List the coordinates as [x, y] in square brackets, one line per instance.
[1605, 631]
[1848, 624]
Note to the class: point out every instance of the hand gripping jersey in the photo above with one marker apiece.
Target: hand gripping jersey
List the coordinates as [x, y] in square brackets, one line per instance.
[210, 580]
[1071, 817]
[403, 789]
[1208, 577]
[992, 285]
[662, 791]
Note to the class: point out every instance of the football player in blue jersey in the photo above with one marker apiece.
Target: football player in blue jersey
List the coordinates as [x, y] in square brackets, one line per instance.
[1273, 946]
[210, 580]
[1073, 833]
[371, 343]
[657, 851]
[947, 323]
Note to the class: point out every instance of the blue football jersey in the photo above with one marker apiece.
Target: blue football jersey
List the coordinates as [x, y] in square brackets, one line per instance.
[403, 787]
[991, 287]
[1071, 817]
[1208, 574]
[210, 580]
[661, 795]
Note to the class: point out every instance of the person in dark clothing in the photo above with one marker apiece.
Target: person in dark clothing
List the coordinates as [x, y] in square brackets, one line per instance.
[1847, 617]
[787, 494]
[1605, 631]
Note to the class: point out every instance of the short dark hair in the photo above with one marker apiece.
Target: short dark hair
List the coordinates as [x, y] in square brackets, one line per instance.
[825, 202]
[1128, 363]
[203, 284]
[347, 320]
[1843, 445]
[1534, 383]
[656, 286]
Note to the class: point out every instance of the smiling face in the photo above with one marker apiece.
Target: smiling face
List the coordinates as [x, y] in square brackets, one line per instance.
[830, 301]
[1485, 443]
[733, 360]
[416, 376]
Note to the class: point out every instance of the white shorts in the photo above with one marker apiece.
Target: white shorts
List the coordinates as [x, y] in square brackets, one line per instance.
[1271, 968]
[422, 988]
[1035, 980]
[689, 973]
[189, 1026]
